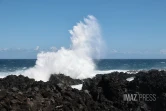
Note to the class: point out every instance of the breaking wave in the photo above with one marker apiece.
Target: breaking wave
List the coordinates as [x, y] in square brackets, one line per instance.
[76, 61]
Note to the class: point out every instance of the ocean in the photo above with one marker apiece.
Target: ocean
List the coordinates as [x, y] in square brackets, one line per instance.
[17, 66]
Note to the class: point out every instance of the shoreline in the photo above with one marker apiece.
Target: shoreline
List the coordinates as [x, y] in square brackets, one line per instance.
[102, 92]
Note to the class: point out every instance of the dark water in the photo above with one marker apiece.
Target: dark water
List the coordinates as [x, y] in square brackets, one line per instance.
[131, 64]
[7, 65]
[12, 66]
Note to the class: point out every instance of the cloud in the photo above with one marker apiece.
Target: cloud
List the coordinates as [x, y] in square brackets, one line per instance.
[27, 50]
[4, 49]
[18, 49]
[13, 49]
[163, 51]
[114, 51]
[53, 48]
[37, 48]
[134, 52]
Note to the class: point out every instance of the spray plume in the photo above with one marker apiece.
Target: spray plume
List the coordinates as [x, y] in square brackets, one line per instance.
[76, 61]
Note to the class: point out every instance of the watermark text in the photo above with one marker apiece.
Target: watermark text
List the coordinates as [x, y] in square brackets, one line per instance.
[139, 97]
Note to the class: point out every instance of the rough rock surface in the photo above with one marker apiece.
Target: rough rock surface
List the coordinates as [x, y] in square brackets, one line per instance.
[60, 78]
[101, 93]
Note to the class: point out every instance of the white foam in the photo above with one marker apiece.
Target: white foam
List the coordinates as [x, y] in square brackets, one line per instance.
[130, 79]
[79, 86]
[75, 61]
[2, 76]
[24, 68]
[17, 72]
[110, 71]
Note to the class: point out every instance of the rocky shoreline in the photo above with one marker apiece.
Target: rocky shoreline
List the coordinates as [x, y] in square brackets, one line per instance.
[101, 93]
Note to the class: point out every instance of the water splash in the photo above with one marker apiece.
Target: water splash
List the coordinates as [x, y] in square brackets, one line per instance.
[75, 61]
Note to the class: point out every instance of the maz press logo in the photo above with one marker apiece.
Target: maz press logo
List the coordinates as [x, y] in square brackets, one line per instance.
[139, 97]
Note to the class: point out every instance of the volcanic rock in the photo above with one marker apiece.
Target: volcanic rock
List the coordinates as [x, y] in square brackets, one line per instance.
[61, 78]
[101, 93]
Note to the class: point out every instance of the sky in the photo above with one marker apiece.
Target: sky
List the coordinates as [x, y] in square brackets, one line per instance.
[131, 29]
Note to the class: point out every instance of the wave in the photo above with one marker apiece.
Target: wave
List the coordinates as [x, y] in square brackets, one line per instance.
[76, 61]
[22, 71]
[110, 71]
[17, 72]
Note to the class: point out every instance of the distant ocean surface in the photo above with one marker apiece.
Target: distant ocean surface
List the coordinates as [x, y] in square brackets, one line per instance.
[17, 66]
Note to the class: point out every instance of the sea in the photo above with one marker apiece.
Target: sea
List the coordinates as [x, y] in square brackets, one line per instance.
[17, 66]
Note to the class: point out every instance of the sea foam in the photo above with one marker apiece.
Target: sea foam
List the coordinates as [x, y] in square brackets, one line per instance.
[76, 61]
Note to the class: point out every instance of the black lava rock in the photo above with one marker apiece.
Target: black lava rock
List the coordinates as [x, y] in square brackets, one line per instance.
[61, 78]
[101, 93]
